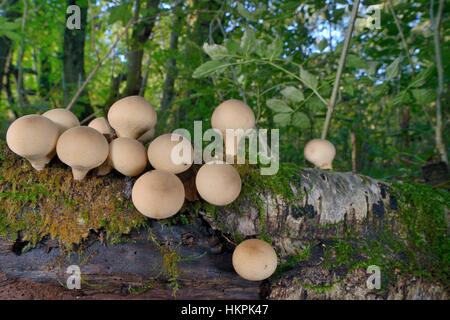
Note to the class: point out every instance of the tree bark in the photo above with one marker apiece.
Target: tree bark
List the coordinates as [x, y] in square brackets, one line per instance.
[325, 206]
[197, 33]
[140, 34]
[73, 60]
[11, 12]
[44, 74]
[171, 66]
[436, 23]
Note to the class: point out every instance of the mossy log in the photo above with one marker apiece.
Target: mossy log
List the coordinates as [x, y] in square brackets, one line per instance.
[318, 221]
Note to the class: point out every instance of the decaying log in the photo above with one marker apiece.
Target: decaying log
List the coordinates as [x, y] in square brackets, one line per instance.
[191, 259]
[326, 205]
[318, 283]
[132, 270]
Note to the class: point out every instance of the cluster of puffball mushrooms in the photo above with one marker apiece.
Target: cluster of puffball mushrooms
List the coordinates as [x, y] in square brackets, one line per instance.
[118, 143]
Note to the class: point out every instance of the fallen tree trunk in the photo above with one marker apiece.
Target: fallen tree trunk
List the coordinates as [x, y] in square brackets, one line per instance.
[325, 226]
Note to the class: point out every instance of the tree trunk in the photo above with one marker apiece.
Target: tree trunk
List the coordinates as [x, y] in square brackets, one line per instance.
[114, 91]
[436, 23]
[189, 256]
[197, 34]
[73, 60]
[44, 74]
[171, 66]
[140, 34]
[10, 13]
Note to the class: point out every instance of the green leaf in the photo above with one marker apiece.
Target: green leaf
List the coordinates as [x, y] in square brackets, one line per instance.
[292, 94]
[233, 47]
[215, 51]
[278, 105]
[282, 119]
[322, 44]
[372, 68]
[245, 13]
[421, 78]
[300, 120]
[248, 41]
[119, 13]
[308, 79]
[423, 96]
[261, 48]
[402, 97]
[8, 25]
[353, 61]
[208, 68]
[14, 36]
[275, 48]
[393, 69]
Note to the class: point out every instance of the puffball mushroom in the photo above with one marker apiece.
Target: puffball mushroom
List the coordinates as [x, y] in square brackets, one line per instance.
[83, 149]
[128, 156]
[102, 125]
[33, 137]
[320, 152]
[232, 114]
[131, 117]
[173, 156]
[158, 194]
[65, 119]
[254, 260]
[218, 183]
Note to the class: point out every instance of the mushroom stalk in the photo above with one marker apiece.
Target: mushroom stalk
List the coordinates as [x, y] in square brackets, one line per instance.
[39, 164]
[79, 173]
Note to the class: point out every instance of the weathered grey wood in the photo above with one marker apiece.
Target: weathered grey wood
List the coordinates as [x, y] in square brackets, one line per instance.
[130, 270]
[326, 205]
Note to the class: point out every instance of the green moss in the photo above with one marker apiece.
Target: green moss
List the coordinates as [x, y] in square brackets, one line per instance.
[320, 288]
[253, 183]
[170, 263]
[420, 246]
[50, 203]
[142, 288]
[171, 260]
[293, 261]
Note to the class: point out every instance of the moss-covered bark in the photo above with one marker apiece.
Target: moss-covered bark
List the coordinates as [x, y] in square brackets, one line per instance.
[337, 221]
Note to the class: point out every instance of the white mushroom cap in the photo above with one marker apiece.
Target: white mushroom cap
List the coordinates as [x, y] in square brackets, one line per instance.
[320, 152]
[83, 149]
[33, 137]
[232, 114]
[158, 194]
[218, 183]
[128, 156]
[131, 117]
[172, 156]
[254, 260]
[102, 125]
[65, 119]
[147, 136]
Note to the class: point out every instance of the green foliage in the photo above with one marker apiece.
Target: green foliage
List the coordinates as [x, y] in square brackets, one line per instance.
[293, 261]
